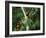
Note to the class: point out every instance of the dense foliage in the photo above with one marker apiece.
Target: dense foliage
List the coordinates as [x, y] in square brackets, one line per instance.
[19, 23]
